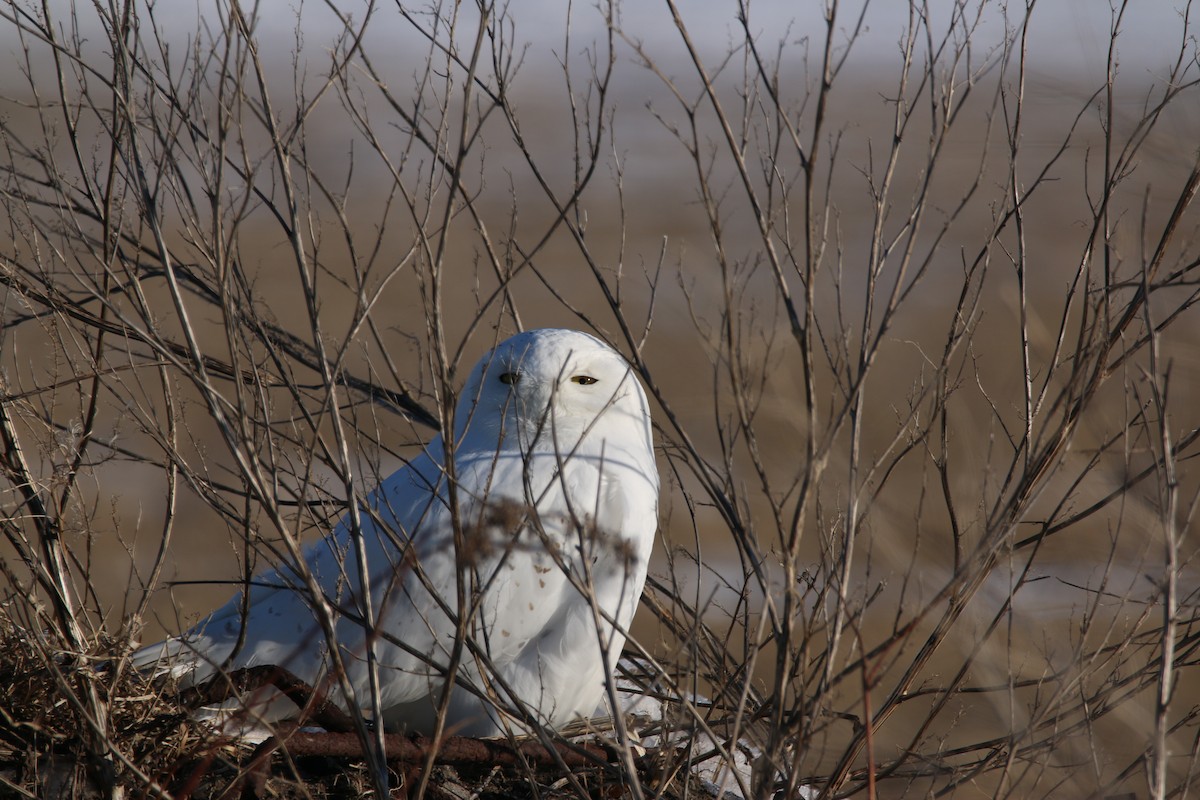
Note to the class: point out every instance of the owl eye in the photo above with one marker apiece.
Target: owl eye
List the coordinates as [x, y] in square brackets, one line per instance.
[583, 380]
[510, 378]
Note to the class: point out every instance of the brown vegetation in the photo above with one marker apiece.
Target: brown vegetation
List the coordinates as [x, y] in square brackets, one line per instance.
[918, 329]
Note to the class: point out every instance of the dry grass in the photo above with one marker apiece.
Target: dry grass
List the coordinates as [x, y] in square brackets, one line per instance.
[44, 754]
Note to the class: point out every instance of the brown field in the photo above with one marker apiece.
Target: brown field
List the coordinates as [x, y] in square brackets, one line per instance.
[1033, 679]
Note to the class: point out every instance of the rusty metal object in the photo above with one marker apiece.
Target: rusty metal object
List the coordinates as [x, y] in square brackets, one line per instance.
[450, 751]
[338, 740]
[405, 752]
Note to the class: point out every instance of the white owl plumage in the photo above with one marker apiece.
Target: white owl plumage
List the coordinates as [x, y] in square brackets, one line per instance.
[554, 488]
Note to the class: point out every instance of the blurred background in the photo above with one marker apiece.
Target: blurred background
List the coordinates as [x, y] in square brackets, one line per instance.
[406, 228]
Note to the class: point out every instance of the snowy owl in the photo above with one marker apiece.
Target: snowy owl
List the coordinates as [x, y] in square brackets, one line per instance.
[535, 536]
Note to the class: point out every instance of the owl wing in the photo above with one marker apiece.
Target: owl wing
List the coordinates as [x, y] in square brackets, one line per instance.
[275, 622]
